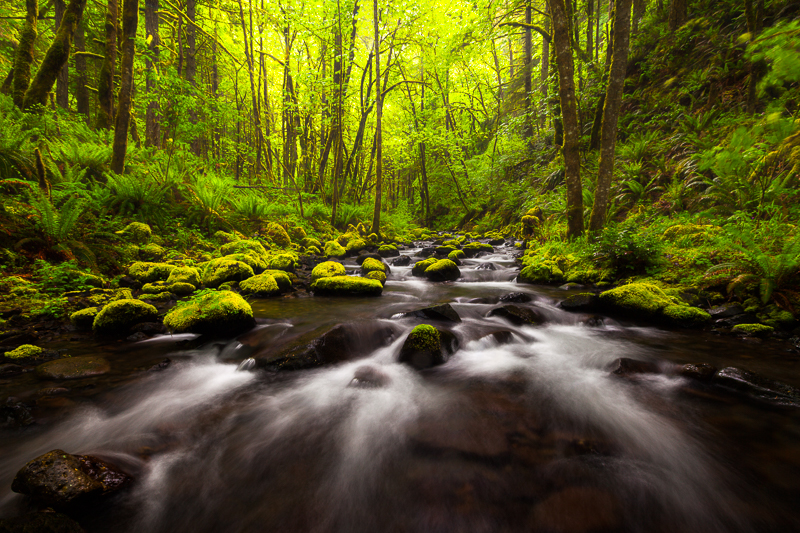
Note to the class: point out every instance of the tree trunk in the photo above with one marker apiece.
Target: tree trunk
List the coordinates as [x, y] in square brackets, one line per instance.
[253, 93]
[589, 29]
[376, 213]
[55, 58]
[569, 114]
[527, 130]
[191, 63]
[677, 14]
[545, 72]
[152, 120]
[130, 21]
[81, 90]
[639, 9]
[594, 142]
[62, 82]
[613, 102]
[24, 56]
[754, 16]
[105, 83]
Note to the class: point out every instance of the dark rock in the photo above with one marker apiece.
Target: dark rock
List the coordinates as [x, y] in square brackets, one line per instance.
[62, 480]
[483, 300]
[729, 322]
[626, 367]
[497, 242]
[427, 346]
[700, 371]
[10, 369]
[368, 377]
[594, 321]
[442, 312]
[582, 302]
[427, 251]
[572, 287]
[41, 522]
[516, 298]
[403, 260]
[578, 509]
[149, 328]
[136, 337]
[132, 283]
[486, 266]
[16, 414]
[502, 336]
[163, 365]
[518, 315]
[366, 255]
[726, 310]
[758, 387]
[73, 368]
[8, 313]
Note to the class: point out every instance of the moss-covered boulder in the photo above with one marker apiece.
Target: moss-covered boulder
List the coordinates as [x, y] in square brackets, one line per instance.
[542, 271]
[73, 368]
[313, 250]
[283, 262]
[184, 274]
[219, 312]
[257, 263]
[685, 316]
[328, 269]
[283, 279]
[243, 247]
[646, 300]
[219, 271]
[152, 252]
[116, 318]
[25, 351]
[260, 286]
[346, 286]
[308, 242]
[372, 265]
[753, 330]
[155, 287]
[443, 270]
[474, 248]
[136, 232]
[149, 272]
[163, 296]
[420, 267]
[84, 318]
[278, 235]
[427, 346]
[355, 245]
[334, 249]
[456, 255]
[378, 275]
[181, 289]
[388, 250]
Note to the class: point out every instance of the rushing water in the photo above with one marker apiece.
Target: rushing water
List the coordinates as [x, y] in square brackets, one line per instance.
[529, 435]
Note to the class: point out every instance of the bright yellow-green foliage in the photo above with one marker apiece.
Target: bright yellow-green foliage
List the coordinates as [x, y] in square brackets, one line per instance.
[378, 275]
[423, 338]
[136, 232]
[327, 269]
[84, 318]
[441, 265]
[313, 250]
[686, 315]
[638, 297]
[181, 289]
[697, 232]
[219, 271]
[26, 350]
[372, 265]
[753, 329]
[257, 263]
[243, 247]
[217, 311]
[164, 296]
[283, 279]
[261, 285]
[119, 315]
[334, 249]
[283, 262]
[278, 235]
[184, 275]
[420, 266]
[308, 242]
[456, 255]
[152, 252]
[149, 272]
[347, 286]
[355, 245]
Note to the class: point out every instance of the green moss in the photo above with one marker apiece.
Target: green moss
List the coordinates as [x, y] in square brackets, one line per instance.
[378, 275]
[424, 338]
[346, 286]
[456, 255]
[181, 289]
[24, 351]
[334, 249]
[152, 252]
[283, 262]
[281, 278]
[313, 250]
[219, 271]
[420, 267]
[445, 250]
[476, 247]
[184, 274]
[136, 232]
[154, 288]
[308, 242]
[443, 270]
[685, 315]
[327, 269]
[355, 245]
[149, 272]
[257, 263]
[117, 317]
[372, 265]
[262, 285]
[278, 235]
[755, 330]
[774, 316]
[164, 296]
[243, 247]
[644, 298]
[542, 271]
[215, 312]
[84, 318]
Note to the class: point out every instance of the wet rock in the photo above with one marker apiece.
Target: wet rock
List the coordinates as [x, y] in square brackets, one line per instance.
[427, 251]
[15, 414]
[442, 270]
[594, 321]
[572, 287]
[625, 366]
[700, 371]
[516, 298]
[729, 322]
[497, 242]
[149, 328]
[163, 365]
[518, 315]
[442, 312]
[218, 313]
[582, 302]
[136, 337]
[502, 336]
[10, 369]
[73, 368]
[726, 310]
[427, 346]
[116, 318]
[368, 377]
[403, 260]
[578, 510]
[388, 250]
[346, 286]
[757, 387]
[62, 480]
[367, 255]
[41, 522]
[486, 266]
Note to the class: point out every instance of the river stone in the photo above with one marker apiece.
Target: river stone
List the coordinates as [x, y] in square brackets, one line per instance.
[367, 255]
[516, 298]
[442, 312]
[218, 271]
[427, 346]
[61, 480]
[486, 266]
[346, 286]
[427, 251]
[517, 315]
[502, 336]
[368, 377]
[41, 522]
[388, 250]
[583, 302]
[700, 371]
[403, 260]
[443, 270]
[578, 510]
[726, 310]
[116, 318]
[758, 387]
[625, 366]
[73, 368]
[219, 313]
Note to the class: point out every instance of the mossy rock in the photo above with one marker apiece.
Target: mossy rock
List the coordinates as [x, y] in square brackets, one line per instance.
[474, 248]
[686, 316]
[154, 288]
[73, 368]
[346, 286]
[388, 250]
[219, 271]
[444, 250]
[456, 255]
[257, 263]
[372, 265]
[420, 266]
[84, 318]
[334, 249]
[182, 289]
[426, 347]
[184, 274]
[283, 262]
[328, 269]
[152, 252]
[452, 242]
[225, 237]
[220, 312]
[278, 235]
[243, 247]
[149, 272]
[297, 234]
[355, 245]
[378, 275]
[542, 271]
[136, 232]
[443, 270]
[643, 299]
[774, 316]
[116, 318]
[260, 286]
[283, 279]
[24, 351]
[308, 242]
[753, 330]
[164, 296]
[313, 250]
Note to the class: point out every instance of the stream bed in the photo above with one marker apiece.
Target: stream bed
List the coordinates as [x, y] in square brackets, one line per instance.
[524, 428]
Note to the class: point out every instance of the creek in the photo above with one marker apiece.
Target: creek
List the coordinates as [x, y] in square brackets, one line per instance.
[521, 432]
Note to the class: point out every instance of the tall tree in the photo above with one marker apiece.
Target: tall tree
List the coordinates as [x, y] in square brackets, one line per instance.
[24, 57]
[613, 102]
[754, 13]
[62, 82]
[678, 14]
[130, 21]
[191, 62]
[82, 80]
[376, 212]
[151, 63]
[569, 113]
[105, 83]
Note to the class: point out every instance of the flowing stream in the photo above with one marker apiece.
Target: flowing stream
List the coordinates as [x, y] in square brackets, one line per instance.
[531, 434]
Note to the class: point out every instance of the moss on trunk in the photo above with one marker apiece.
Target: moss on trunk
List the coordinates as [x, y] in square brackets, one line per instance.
[24, 57]
[130, 21]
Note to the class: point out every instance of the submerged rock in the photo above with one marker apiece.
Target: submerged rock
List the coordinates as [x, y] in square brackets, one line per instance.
[368, 377]
[62, 480]
[583, 302]
[219, 313]
[700, 371]
[758, 387]
[518, 315]
[625, 366]
[516, 298]
[346, 286]
[116, 318]
[486, 266]
[442, 312]
[73, 368]
[41, 522]
[403, 260]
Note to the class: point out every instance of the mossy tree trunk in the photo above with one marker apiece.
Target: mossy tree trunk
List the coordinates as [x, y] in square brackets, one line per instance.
[755, 16]
[62, 82]
[376, 212]
[569, 115]
[55, 58]
[105, 82]
[678, 14]
[24, 56]
[130, 21]
[152, 127]
[613, 102]
[82, 81]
